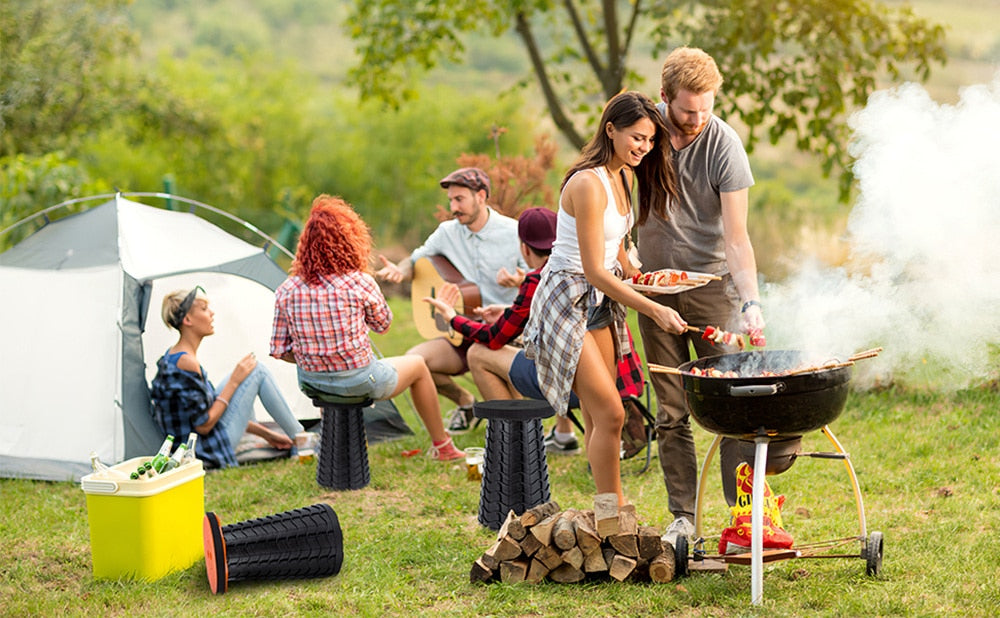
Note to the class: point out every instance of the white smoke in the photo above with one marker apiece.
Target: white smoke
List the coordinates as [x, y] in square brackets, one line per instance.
[923, 277]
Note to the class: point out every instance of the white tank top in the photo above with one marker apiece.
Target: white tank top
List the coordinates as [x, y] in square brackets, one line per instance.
[566, 248]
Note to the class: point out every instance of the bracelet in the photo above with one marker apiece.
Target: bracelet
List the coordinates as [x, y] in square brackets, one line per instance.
[748, 304]
[223, 400]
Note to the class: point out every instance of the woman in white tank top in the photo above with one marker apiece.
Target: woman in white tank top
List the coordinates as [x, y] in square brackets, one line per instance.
[576, 332]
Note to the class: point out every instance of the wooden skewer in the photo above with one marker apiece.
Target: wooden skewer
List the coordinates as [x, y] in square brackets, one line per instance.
[664, 369]
[693, 329]
[866, 354]
[819, 368]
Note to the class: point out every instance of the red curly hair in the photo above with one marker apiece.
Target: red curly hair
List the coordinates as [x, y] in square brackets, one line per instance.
[335, 241]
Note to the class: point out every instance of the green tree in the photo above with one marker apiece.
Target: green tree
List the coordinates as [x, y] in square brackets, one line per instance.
[63, 70]
[28, 182]
[792, 67]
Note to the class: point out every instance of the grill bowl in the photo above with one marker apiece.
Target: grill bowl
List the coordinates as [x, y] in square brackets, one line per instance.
[780, 407]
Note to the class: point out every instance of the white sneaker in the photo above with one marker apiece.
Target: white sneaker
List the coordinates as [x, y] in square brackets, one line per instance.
[680, 527]
[460, 419]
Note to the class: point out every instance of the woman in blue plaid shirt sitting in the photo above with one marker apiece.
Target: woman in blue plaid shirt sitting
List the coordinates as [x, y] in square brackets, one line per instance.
[185, 401]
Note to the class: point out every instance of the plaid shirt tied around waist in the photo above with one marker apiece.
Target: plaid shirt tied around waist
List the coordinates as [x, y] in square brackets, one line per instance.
[554, 334]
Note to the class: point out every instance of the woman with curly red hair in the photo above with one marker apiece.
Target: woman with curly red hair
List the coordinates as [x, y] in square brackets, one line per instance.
[325, 309]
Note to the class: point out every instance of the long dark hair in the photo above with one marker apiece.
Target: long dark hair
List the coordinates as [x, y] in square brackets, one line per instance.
[655, 173]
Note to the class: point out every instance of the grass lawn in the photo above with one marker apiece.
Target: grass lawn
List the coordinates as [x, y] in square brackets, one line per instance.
[928, 465]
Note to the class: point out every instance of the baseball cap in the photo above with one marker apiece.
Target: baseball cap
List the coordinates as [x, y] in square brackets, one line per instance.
[471, 177]
[536, 227]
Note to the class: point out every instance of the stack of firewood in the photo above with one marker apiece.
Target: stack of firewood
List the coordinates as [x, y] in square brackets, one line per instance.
[573, 545]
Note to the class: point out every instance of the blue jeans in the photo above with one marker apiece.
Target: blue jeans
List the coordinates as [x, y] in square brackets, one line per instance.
[524, 376]
[239, 412]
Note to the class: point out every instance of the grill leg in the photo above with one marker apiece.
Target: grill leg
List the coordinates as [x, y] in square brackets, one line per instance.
[757, 523]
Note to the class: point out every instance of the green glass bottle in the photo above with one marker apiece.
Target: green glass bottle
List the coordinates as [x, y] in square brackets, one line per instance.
[161, 457]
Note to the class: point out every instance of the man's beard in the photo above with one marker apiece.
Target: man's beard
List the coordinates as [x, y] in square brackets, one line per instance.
[685, 129]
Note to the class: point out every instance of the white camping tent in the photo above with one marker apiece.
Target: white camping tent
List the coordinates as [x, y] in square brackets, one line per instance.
[74, 358]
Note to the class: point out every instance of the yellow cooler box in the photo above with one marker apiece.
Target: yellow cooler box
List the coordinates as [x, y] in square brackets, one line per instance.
[145, 529]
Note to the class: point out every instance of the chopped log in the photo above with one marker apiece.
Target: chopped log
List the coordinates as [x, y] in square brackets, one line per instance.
[537, 513]
[516, 530]
[586, 537]
[606, 514]
[620, 567]
[566, 574]
[650, 545]
[543, 529]
[512, 527]
[563, 532]
[573, 556]
[609, 554]
[530, 544]
[480, 572]
[502, 532]
[628, 522]
[549, 556]
[513, 571]
[641, 572]
[567, 546]
[661, 568]
[594, 562]
[625, 544]
[504, 549]
[626, 540]
[537, 572]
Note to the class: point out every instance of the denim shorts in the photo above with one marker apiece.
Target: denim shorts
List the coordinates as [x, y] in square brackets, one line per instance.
[524, 376]
[376, 381]
[600, 316]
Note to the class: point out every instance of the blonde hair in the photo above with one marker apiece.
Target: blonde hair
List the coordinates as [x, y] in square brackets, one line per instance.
[689, 68]
[172, 304]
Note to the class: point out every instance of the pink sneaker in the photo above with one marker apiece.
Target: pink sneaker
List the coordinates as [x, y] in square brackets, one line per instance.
[445, 451]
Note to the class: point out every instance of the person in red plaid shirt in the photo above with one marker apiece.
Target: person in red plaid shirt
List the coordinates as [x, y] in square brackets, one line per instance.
[501, 370]
[324, 311]
[491, 356]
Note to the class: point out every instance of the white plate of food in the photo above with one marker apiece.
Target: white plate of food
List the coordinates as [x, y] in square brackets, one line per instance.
[669, 281]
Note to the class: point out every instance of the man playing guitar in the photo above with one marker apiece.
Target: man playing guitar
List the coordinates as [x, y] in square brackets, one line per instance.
[483, 246]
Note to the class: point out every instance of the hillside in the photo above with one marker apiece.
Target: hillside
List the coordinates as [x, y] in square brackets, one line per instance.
[794, 209]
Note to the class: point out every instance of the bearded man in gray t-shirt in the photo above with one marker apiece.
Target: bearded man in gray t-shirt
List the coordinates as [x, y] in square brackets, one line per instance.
[705, 231]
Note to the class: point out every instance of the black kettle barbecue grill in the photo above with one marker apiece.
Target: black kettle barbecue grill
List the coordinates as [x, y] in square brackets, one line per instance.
[759, 410]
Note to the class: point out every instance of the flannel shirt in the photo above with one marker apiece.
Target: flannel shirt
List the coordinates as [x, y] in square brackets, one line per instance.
[630, 380]
[509, 326]
[554, 333]
[326, 326]
[181, 400]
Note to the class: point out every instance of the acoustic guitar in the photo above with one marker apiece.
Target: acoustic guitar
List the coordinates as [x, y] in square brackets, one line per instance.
[429, 274]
